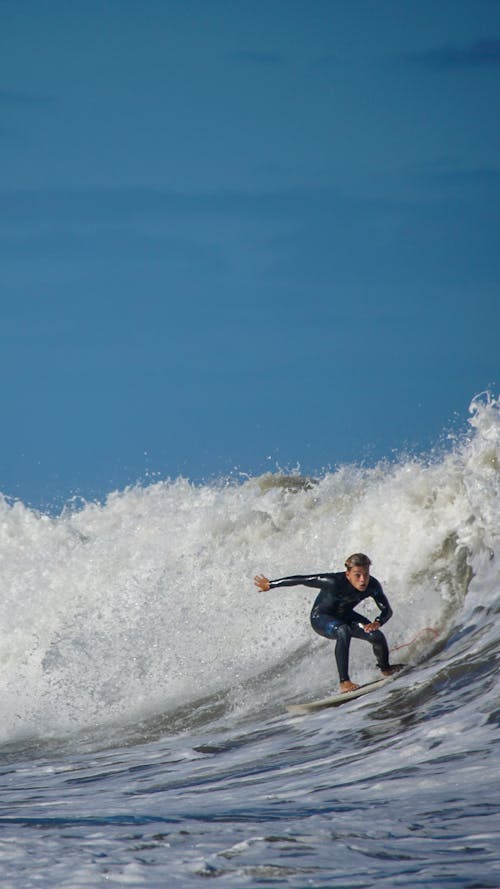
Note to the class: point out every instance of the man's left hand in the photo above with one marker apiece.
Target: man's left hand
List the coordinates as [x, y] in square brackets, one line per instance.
[370, 628]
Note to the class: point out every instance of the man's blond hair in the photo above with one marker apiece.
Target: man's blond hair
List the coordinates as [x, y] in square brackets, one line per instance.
[358, 560]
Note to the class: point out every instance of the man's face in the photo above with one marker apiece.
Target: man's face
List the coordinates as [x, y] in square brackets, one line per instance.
[359, 576]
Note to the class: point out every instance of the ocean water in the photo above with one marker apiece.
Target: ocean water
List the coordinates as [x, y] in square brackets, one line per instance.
[144, 739]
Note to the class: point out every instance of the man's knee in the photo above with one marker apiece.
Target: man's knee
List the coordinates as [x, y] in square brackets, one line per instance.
[343, 633]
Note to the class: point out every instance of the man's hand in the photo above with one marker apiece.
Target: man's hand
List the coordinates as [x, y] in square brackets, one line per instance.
[262, 583]
[370, 628]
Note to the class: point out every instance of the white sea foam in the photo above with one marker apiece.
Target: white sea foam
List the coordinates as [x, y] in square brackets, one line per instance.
[146, 602]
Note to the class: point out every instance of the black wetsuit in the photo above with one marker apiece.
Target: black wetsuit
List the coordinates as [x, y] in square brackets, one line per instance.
[333, 614]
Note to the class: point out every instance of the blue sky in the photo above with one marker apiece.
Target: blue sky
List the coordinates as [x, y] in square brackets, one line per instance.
[242, 234]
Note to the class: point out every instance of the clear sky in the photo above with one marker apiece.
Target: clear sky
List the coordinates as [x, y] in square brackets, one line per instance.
[242, 234]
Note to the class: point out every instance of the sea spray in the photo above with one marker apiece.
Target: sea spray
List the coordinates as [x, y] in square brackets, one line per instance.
[145, 603]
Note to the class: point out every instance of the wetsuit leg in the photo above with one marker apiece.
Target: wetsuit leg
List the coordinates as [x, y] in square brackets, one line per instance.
[376, 639]
[342, 632]
[338, 630]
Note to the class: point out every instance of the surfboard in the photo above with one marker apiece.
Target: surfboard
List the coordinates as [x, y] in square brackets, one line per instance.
[338, 699]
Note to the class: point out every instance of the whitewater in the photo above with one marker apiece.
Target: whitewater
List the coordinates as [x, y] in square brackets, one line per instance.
[144, 738]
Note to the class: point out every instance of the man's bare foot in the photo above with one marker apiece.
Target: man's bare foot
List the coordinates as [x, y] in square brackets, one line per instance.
[394, 668]
[348, 686]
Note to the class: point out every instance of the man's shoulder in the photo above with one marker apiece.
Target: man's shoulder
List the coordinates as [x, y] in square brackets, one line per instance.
[374, 585]
[331, 578]
[334, 576]
[335, 579]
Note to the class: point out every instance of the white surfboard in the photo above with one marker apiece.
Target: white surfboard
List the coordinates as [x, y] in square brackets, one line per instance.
[337, 700]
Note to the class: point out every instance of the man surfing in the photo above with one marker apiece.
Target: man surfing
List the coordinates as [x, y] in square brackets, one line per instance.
[333, 614]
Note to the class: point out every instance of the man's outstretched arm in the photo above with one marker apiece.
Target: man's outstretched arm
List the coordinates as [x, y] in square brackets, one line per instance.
[315, 580]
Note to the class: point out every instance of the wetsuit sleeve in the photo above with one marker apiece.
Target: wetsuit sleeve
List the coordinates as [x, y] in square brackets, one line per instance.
[383, 603]
[314, 580]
